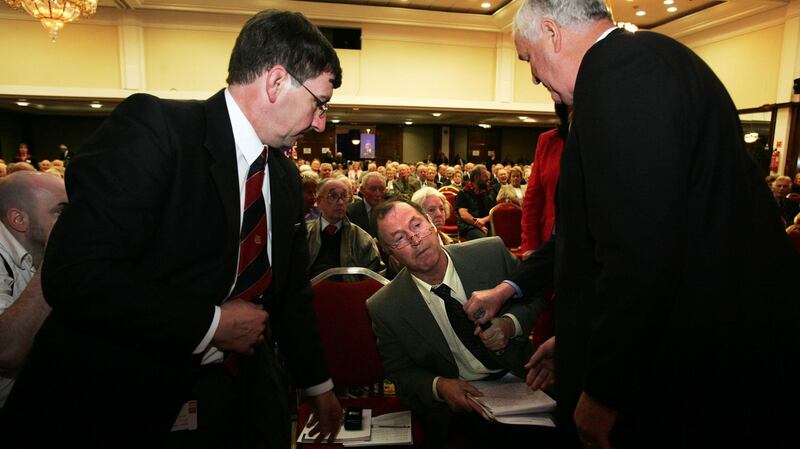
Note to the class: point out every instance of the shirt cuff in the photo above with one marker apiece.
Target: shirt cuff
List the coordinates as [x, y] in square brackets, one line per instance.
[210, 333]
[517, 290]
[316, 390]
[517, 327]
[436, 393]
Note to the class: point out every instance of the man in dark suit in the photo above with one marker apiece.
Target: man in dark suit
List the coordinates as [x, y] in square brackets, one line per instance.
[424, 351]
[655, 323]
[373, 191]
[141, 268]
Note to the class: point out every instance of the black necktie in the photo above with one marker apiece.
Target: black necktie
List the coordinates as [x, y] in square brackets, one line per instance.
[464, 328]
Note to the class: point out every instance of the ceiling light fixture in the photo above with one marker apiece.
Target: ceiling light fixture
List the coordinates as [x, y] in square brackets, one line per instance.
[672, 9]
[95, 105]
[409, 122]
[55, 13]
[336, 120]
[641, 13]
[486, 5]
[356, 141]
[522, 117]
[669, 2]
[484, 125]
[436, 114]
[22, 103]
[530, 120]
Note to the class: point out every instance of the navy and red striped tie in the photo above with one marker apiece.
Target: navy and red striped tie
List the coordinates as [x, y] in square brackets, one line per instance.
[255, 273]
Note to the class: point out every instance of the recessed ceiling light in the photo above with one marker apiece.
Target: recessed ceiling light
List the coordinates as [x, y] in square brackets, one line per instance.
[336, 120]
[355, 109]
[522, 117]
[486, 5]
[669, 2]
[484, 125]
[530, 120]
[436, 114]
[640, 13]
[409, 123]
[22, 103]
[672, 9]
[95, 105]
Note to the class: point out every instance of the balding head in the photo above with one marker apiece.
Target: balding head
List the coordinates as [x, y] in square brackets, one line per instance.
[30, 204]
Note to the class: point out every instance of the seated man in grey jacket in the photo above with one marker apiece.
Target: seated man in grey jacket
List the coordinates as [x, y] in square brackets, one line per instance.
[333, 241]
[429, 347]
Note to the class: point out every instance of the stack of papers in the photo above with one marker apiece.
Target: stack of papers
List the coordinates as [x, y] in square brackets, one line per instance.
[511, 401]
[389, 429]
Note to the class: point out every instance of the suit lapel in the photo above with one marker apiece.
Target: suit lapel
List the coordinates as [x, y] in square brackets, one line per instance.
[222, 148]
[281, 210]
[473, 276]
[418, 316]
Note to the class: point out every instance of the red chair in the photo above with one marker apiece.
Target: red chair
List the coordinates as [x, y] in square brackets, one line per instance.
[348, 342]
[451, 224]
[506, 223]
[794, 235]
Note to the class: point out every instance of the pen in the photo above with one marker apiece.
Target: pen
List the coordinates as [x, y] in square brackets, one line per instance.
[390, 427]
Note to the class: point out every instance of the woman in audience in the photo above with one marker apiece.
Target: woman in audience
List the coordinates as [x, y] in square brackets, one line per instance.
[457, 180]
[436, 206]
[507, 194]
[516, 182]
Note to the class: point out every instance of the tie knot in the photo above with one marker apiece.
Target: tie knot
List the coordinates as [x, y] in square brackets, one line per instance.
[442, 291]
[330, 229]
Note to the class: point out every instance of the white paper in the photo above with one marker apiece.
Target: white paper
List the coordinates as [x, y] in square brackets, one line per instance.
[382, 436]
[308, 435]
[512, 396]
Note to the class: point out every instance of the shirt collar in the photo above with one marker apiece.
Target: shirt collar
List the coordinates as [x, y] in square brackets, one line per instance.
[605, 34]
[449, 276]
[248, 144]
[323, 223]
[19, 255]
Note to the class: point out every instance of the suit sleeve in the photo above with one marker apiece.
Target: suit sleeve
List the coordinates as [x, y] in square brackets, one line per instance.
[536, 272]
[412, 381]
[117, 187]
[637, 175]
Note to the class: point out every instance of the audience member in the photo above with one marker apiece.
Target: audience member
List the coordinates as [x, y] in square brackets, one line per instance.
[310, 182]
[436, 206]
[3, 170]
[333, 241]
[637, 305]
[405, 185]
[373, 192]
[19, 166]
[515, 179]
[23, 155]
[507, 194]
[44, 165]
[141, 268]
[428, 346]
[457, 180]
[325, 170]
[473, 204]
[787, 209]
[30, 204]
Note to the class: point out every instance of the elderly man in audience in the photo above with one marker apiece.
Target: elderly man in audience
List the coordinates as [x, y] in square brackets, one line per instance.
[3, 170]
[310, 182]
[333, 241]
[30, 204]
[373, 192]
[430, 349]
[781, 187]
[325, 170]
[20, 166]
[405, 185]
[473, 204]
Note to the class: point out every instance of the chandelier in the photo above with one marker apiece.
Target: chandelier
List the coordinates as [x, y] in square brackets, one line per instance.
[55, 13]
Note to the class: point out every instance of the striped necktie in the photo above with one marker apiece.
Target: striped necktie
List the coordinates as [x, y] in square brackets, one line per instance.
[255, 273]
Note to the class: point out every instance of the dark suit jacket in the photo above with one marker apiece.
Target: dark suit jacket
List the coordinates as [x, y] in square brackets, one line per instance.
[357, 213]
[411, 344]
[134, 267]
[659, 321]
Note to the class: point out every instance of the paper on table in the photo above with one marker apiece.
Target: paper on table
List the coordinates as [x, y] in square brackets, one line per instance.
[533, 419]
[398, 434]
[344, 435]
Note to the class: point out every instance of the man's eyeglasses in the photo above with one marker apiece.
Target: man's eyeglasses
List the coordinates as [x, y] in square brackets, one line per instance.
[402, 242]
[334, 197]
[321, 105]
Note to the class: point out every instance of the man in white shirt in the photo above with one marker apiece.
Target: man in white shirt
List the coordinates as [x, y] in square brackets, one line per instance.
[429, 348]
[30, 203]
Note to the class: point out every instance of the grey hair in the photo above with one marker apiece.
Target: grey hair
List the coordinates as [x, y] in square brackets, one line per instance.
[564, 12]
[372, 174]
[340, 179]
[424, 192]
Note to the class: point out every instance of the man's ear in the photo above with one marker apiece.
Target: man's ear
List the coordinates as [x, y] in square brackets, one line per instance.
[17, 220]
[276, 79]
[551, 32]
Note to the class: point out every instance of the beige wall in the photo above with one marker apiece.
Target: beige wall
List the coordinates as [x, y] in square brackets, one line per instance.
[84, 55]
[748, 65]
[524, 89]
[417, 142]
[190, 60]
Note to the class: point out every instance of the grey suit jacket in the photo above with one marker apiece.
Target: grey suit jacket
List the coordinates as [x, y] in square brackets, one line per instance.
[357, 213]
[410, 342]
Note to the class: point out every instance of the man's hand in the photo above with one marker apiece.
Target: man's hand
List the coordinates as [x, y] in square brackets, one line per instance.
[454, 392]
[542, 366]
[594, 422]
[489, 301]
[327, 419]
[241, 326]
[496, 337]
[526, 254]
